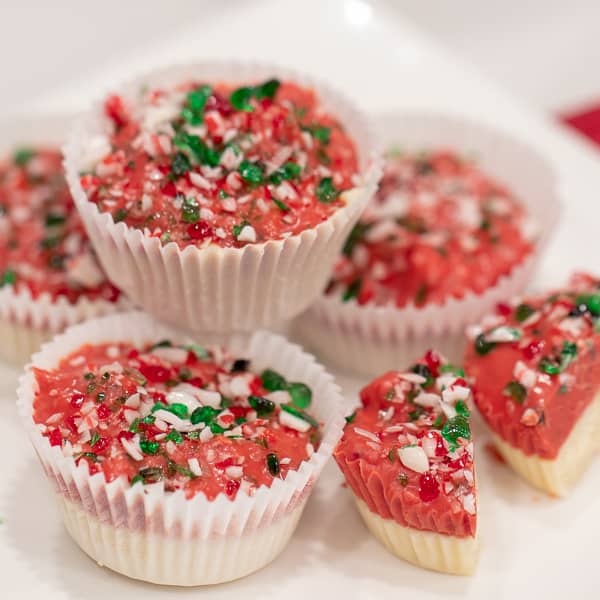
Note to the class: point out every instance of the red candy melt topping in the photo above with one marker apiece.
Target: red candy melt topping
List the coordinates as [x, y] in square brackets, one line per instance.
[43, 245]
[536, 367]
[407, 452]
[187, 417]
[202, 164]
[437, 228]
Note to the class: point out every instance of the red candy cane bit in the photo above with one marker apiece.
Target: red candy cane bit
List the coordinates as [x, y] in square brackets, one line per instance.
[103, 411]
[504, 309]
[169, 189]
[77, 399]
[533, 349]
[228, 462]
[70, 422]
[219, 103]
[159, 397]
[125, 435]
[433, 360]
[55, 437]
[429, 488]
[115, 110]
[238, 411]
[233, 485]
[89, 182]
[155, 373]
[101, 445]
[200, 230]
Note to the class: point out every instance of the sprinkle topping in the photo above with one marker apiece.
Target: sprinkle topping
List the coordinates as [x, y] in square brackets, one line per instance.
[205, 163]
[188, 417]
[542, 353]
[43, 244]
[413, 432]
[437, 228]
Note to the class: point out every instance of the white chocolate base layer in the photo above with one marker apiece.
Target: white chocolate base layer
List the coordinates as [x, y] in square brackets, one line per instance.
[434, 551]
[176, 561]
[18, 342]
[558, 476]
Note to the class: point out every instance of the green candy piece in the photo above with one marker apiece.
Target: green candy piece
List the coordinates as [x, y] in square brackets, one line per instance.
[268, 89]
[523, 312]
[353, 290]
[200, 352]
[326, 191]
[193, 113]
[516, 391]
[181, 410]
[190, 211]
[251, 172]
[149, 447]
[240, 99]
[482, 347]
[9, 277]
[591, 301]
[455, 428]
[203, 414]
[262, 406]
[462, 409]
[301, 394]
[180, 164]
[273, 464]
[194, 149]
[273, 381]
[22, 156]
[174, 436]
[424, 371]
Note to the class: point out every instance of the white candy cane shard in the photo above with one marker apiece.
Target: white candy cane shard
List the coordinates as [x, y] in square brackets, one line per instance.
[503, 334]
[414, 458]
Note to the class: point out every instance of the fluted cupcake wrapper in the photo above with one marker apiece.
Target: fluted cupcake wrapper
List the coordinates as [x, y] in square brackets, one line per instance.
[162, 537]
[27, 322]
[216, 289]
[371, 339]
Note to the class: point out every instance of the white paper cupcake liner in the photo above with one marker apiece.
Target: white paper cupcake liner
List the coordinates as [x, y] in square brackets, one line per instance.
[25, 322]
[161, 537]
[224, 289]
[371, 339]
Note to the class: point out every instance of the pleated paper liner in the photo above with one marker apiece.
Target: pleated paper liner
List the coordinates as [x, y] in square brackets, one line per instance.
[371, 339]
[218, 289]
[162, 537]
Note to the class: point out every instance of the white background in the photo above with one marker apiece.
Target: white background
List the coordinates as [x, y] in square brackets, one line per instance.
[58, 55]
[545, 50]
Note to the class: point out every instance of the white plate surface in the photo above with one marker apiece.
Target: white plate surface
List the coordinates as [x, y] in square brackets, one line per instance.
[532, 546]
